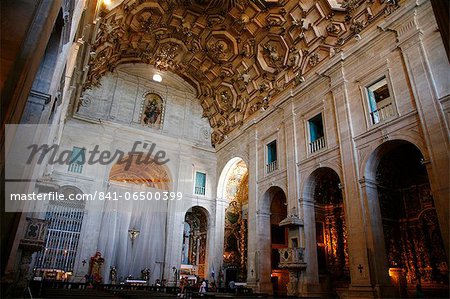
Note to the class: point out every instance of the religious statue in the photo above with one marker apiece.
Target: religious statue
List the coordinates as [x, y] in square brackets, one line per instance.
[151, 113]
[113, 275]
[145, 274]
[95, 266]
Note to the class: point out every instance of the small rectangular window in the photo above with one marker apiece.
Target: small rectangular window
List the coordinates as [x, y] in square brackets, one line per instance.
[271, 156]
[77, 159]
[200, 183]
[380, 102]
[316, 133]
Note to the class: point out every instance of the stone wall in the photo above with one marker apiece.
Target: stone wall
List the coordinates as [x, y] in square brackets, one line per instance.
[110, 117]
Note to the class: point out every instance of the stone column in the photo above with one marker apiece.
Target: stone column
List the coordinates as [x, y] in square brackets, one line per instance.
[293, 186]
[252, 247]
[174, 242]
[263, 264]
[378, 260]
[361, 285]
[310, 282]
[219, 235]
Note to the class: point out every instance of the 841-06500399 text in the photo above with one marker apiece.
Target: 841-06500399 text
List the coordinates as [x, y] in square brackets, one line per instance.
[136, 195]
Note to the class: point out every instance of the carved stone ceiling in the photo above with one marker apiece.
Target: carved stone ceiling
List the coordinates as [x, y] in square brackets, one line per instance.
[238, 54]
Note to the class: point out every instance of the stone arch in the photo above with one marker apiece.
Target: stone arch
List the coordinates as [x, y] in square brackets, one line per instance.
[323, 191]
[233, 191]
[312, 177]
[70, 189]
[370, 162]
[268, 196]
[195, 245]
[272, 207]
[204, 209]
[221, 185]
[399, 195]
[133, 169]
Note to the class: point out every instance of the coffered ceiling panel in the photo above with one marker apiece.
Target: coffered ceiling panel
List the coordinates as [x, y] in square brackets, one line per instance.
[238, 54]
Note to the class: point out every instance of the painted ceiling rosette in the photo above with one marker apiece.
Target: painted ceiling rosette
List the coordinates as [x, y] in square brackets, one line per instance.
[238, 54]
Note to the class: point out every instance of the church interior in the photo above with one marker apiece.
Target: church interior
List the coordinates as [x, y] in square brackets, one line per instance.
[225, 148]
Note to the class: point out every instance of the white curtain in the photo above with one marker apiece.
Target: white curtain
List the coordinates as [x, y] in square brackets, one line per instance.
[149, 217]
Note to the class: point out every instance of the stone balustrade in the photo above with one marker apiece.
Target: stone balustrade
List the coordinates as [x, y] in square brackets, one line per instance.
[291, 258]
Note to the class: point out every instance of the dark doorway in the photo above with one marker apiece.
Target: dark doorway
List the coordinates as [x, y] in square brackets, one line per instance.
[231, 275]
[413, 241]
[279, 240]
[331, 231]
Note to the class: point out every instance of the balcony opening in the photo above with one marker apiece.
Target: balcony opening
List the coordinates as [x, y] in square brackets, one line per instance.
[200, 183]
[381, 105]
[316, 134]
[271, 156]
[77, 159]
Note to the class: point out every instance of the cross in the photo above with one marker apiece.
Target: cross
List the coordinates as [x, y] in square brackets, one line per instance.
[133, 233]
[360, 268]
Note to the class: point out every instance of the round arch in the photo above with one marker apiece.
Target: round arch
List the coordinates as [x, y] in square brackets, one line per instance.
[268, 196]
[134, 169]
[70, 189]
[312, 179]
[233, 191]
[207, 213]
[272, 238]
[370, 163]
[196, 240]
[399, 195]
[225, 173]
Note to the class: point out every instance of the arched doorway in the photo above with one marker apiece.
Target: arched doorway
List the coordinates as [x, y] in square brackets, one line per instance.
[194, 249]
[413, 242]
[233, 189]
[131, 176]
[273, 211]
[324, 189]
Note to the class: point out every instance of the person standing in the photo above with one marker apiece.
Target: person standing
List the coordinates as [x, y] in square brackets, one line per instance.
[202, 290]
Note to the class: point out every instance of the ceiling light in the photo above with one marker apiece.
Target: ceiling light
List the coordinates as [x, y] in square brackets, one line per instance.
[107, 2]
[157, 78]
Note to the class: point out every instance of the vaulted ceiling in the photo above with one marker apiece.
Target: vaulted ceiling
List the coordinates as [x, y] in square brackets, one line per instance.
[238, 54]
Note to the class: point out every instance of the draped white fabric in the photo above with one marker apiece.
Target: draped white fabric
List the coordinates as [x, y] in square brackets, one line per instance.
[149, 217]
